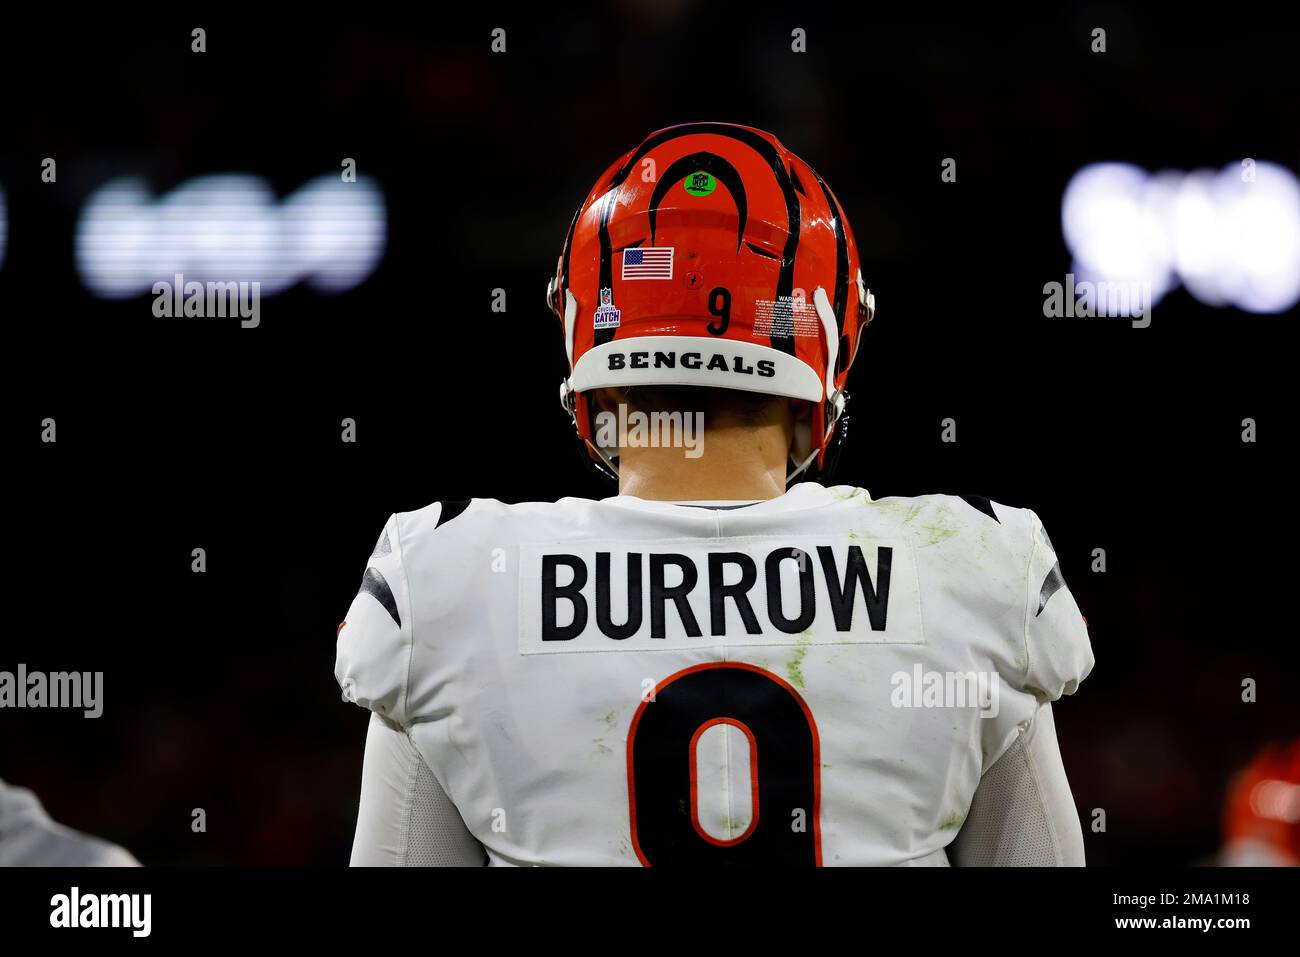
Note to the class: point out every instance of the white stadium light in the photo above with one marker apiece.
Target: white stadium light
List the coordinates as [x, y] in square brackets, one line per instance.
[230, 228]
[1232, 237]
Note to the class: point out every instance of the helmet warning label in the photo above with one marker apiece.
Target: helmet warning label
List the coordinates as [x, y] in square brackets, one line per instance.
[787, 316]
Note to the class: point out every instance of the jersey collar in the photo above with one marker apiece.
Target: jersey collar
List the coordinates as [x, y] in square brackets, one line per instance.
[801, 496]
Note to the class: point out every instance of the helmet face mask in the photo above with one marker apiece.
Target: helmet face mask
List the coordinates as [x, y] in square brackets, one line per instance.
[712, 256]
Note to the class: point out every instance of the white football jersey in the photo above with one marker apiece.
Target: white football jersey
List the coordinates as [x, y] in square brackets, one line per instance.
[29, 838]
[821, 678]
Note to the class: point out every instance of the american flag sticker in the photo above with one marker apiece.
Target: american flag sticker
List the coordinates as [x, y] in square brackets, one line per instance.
[648, 262]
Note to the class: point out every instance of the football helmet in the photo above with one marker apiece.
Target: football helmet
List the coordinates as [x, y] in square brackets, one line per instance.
[710, 255]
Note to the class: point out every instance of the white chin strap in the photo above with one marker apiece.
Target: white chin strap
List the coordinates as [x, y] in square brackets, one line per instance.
[831, 332]
[803, 455]
[570, 320]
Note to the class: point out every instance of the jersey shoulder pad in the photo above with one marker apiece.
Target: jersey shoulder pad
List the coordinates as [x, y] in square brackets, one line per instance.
[999, 558]
[1058, 651]
[422, 568]
[1052, 651]
[372, 650]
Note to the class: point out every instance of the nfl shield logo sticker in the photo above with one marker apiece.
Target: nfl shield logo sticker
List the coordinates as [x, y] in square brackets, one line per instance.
[606, 315]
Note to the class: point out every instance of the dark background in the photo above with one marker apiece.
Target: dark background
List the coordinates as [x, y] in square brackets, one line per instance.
[174, 435]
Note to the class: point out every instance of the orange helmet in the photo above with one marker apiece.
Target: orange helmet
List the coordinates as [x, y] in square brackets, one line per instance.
[1261, 818]
[711, 255]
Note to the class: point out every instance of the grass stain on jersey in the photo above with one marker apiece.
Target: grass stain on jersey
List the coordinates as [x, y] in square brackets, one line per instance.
[600, 749]
[903, 509]
[953, 820]
[794, 670]
[853, 494]
[943, 526]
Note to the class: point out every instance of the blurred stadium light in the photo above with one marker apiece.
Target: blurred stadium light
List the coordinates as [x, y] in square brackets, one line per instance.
[1232, 237]
[230, 228]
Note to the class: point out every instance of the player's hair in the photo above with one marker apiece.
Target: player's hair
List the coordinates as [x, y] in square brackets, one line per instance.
[718, 405]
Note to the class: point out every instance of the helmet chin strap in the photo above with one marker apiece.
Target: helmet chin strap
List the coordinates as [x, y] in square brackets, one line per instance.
[605, 457]
[570, 321]
[839, 402]
[802, 455]
[831, 333]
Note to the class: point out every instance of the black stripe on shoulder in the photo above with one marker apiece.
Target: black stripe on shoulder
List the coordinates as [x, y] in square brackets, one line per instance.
[981, 504]
[1053, 583]
[375, 585]
[450, 510]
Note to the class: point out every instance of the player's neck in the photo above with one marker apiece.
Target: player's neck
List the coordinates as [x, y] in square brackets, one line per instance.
[742, 463]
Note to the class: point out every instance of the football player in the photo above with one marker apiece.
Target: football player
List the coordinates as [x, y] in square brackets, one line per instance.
[30, 838]
[1261, 817]
[714, 666]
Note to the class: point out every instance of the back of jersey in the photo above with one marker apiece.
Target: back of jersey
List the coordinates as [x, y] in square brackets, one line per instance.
[817, 679]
